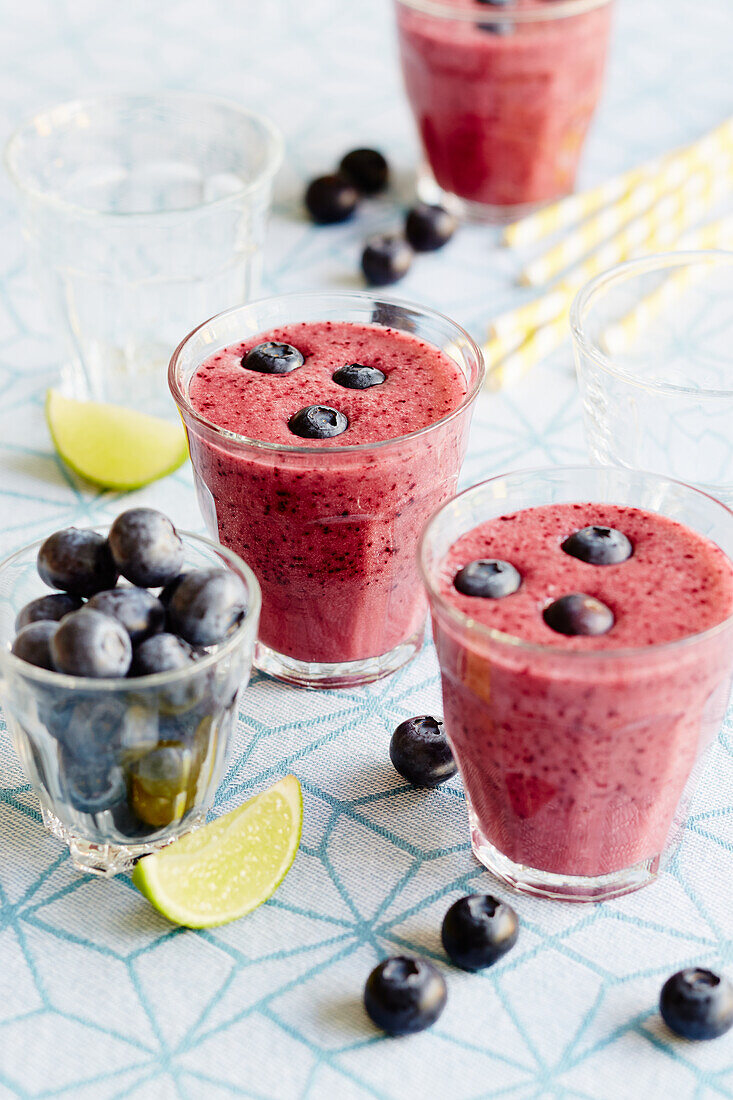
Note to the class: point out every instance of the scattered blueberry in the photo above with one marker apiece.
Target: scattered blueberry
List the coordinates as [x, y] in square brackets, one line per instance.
[403, 995]
[273, 358]
[355, 376]
[138, 610]
[386, 259]
[477, 930]
[161, 653]
[489, 578]
[599, 546]
[159, 784]
[318, 422]
[145, 547]
[207, 606]
[578, 613]
[33, 643]
[429, 228]
[367, 169]
[88, 643]
[420, 752]
[331, 199]
[77, 561]
[697, 1004]
[47, 608]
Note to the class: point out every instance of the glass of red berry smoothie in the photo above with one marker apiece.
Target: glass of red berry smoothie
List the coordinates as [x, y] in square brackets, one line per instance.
[324, 429]
[503, 93]
[584, 625]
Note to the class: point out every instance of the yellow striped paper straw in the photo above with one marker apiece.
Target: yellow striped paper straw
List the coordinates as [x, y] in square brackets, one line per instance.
[507, 360]
[538, 345]
[656, 229]
[707, 180]
[576, 207]
[620, 336]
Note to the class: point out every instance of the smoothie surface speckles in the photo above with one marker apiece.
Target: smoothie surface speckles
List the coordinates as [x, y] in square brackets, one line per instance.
[423, 384]
[676, 583]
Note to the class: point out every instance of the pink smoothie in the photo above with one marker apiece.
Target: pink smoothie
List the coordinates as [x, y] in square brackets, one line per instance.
[331, 532]
[503, 117]
[575, 755]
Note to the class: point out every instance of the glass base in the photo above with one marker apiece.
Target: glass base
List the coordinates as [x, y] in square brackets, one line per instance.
[108, 859]
[469, 211]
[544, 884]
[341, 674]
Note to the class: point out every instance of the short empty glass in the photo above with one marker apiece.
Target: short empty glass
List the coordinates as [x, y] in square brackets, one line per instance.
[142, 213]
[654, 353]
[123, 767]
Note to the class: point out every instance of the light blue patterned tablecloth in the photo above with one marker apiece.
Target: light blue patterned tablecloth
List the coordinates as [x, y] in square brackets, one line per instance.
[100, 998]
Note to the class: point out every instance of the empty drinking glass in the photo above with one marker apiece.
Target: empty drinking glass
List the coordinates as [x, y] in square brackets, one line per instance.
[143, 213]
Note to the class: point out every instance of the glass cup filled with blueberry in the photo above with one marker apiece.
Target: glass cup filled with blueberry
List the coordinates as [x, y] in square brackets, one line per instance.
[123, 651]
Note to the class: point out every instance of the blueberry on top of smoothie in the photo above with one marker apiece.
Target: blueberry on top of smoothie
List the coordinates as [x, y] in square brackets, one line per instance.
[599, 546]
[318, 422]
[488, 578]
[355, 376]
[578, 613]
[497, 28]
[272, 358]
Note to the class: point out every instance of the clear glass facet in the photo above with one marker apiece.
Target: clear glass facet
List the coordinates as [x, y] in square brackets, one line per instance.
[654, 354]
[142, 214]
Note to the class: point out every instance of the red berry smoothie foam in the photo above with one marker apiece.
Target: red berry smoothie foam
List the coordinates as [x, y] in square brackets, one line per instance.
[332, 538]
[576, 767]
[503, 116]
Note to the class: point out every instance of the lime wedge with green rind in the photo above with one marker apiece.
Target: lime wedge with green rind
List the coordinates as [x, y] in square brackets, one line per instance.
[229, 867]
[111, 446]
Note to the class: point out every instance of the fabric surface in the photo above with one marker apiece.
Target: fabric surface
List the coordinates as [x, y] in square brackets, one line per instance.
[101, 998]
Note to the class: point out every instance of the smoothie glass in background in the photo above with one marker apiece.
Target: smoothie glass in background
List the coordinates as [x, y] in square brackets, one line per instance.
[502, 96]
[142, 214]
[86, 744]
[330, 531]
[578, 764]
[654, 354]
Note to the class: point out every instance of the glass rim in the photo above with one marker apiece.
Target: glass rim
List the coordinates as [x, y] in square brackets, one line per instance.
[101, 684]
[183, 401]
[660, 261]
[607, 656]
[272, 139]
[560, 9]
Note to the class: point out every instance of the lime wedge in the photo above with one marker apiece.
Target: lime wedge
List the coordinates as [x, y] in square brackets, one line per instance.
[229, 867]
[111, 446]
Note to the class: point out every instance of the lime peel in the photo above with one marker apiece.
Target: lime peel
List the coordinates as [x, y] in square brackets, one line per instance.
[112, 446]
[230, 866]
